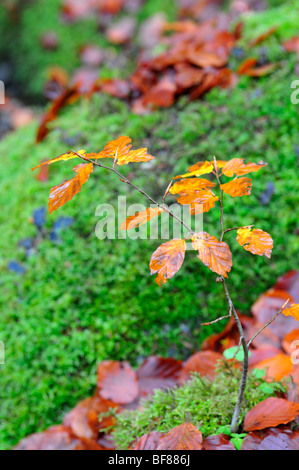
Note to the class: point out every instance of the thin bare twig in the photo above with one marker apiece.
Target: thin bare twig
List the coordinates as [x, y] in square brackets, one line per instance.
[269, 323]
[216, 321]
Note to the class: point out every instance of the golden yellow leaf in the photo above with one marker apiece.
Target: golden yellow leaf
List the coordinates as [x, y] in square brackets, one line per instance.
[292, 311]
[200, 168]
[237, 167]
[140, 218]
[256, 241]
[194, 184]
[237, 187]
[132, 156]
[65, 156]
[64, 192]
[167, 260]
[214, 254]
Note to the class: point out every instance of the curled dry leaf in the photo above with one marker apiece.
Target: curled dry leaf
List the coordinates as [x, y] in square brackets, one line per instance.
[214, 254]
[237, 187]
[293, 311]
[270, 413]
[140, 218]
[167, 260]
[118, 382]
[84, 421]
[203, 362]
[183, 437]
[200, 201]
[184, 187]
[237, 167]
[262, 37]
[64, 192]
[256, 241]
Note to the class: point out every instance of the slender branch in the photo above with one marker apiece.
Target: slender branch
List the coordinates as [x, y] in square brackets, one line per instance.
[232, 311]
[126, 180]
[267, 324]
[216, 321]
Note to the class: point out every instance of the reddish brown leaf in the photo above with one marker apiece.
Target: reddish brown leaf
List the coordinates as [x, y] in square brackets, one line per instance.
[183, 437]
[203, 362]
[270, 413]
[140, 218]
[292, 45]
[237, 187]
[187, 75]
[256, 241]
[218, 442]
[122, 31]
[64, 192]
[83, 420]
[167, 260]
[147, 441]
[214, 254]
[117, 382]
[281, 438]
[55, 438]
[158, 372]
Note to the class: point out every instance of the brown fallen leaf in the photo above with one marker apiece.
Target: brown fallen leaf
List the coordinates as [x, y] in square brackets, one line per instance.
[183, 437]
[158, 373]
[203, 362]
[270, 413]
[117, 382]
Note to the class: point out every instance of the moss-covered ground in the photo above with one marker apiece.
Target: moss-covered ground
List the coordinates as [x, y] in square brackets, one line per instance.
[82, 300]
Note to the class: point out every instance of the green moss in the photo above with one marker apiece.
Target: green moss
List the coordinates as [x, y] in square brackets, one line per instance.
[207, 404]
[84, 300]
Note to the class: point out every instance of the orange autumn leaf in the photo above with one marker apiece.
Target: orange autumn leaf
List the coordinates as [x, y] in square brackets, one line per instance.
[214, 254]
[140, 218]
[270, 413]
[184, 187]
[64, 192]
[277, 367]
[292, 311]
[288, 340]
[201, 168]
[134, 156]
[64, 157]
[200, 201]
[167, 260]
[237, 187]
[183, 437]
[220, 163]
[237, 167]
[256, 241]
[120, 150]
